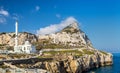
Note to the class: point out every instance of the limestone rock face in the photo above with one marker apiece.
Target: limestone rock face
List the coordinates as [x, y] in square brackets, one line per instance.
[9, 38]
[79, 65]
[70, 35]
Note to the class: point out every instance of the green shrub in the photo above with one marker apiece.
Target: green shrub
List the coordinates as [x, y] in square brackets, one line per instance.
[86, 51]
[104, 52]
[75, 52]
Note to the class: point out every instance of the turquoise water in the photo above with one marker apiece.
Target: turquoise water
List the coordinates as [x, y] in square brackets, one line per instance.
[115, 68]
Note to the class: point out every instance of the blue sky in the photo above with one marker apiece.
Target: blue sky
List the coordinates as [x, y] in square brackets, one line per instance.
[99, 19]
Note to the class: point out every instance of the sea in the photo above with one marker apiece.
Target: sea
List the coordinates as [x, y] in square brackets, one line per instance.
[115, 68]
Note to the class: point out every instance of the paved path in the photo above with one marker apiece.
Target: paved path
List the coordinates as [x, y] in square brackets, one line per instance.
[25, 61]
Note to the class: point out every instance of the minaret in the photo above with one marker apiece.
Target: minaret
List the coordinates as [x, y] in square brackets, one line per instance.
[16, 33]
[54, 38]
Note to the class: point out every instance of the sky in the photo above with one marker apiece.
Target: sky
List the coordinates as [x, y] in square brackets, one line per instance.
[99, 19]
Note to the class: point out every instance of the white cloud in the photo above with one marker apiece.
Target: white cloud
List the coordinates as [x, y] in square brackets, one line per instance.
[56, 27]
[37, 8]
[2, 20]
[58, 15]
[16, 16]
[3, 15]
[4, 12]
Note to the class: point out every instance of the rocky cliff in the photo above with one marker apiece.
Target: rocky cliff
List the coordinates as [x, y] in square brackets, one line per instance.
[79, 64]
[70, 36]
[68, 62]
[84, 58]
[9, 38]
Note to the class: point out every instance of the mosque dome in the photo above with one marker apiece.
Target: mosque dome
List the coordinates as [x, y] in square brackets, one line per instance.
[27, 43]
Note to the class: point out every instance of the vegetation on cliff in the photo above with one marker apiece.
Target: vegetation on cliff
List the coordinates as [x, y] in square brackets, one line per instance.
[70, 49]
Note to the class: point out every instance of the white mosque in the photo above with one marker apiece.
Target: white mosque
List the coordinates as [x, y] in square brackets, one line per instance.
[26, 47]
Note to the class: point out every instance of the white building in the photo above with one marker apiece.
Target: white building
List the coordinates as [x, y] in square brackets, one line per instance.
[26, 47]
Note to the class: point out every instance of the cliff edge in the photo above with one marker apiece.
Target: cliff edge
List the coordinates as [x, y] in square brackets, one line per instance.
[75, 52]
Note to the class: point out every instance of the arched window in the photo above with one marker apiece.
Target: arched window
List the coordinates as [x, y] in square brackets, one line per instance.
[24, 48]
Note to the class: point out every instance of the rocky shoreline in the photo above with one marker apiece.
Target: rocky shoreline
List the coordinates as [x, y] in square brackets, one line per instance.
[80, 65]
[76, 64]
[67, 63]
